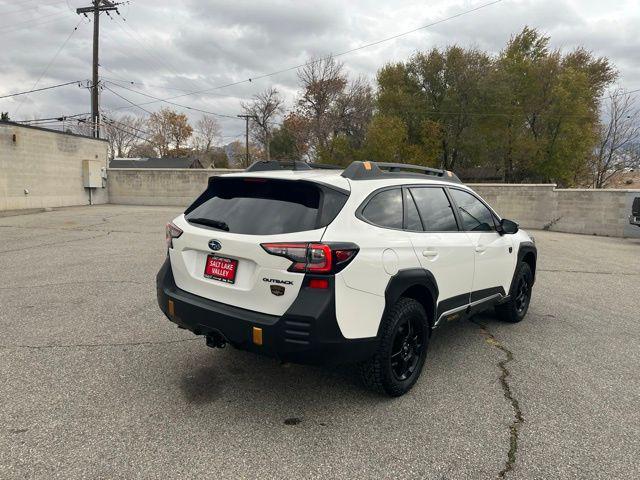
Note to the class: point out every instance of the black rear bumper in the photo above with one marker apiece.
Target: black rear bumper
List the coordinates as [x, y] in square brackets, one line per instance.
[307, 333]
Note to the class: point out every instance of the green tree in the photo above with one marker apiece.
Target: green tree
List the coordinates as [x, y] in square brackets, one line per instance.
[4, 117]
[530, 111]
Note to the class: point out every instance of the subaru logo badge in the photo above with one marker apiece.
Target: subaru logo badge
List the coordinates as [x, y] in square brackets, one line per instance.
[215, 245]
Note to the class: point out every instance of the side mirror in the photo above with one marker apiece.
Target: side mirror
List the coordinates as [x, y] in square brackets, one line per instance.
[507, 227]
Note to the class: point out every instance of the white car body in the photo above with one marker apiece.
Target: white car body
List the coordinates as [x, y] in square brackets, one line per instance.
[461, 261]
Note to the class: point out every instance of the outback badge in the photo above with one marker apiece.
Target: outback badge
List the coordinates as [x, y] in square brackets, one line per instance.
[277, 290]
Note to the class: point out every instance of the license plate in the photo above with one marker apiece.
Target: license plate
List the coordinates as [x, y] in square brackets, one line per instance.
[221, 269]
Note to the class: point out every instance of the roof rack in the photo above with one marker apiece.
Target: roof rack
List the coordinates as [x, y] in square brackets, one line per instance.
[267, 165]
[372, 170]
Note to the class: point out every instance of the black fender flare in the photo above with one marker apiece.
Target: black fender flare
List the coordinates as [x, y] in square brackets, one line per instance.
[405, 279]
[523, 249]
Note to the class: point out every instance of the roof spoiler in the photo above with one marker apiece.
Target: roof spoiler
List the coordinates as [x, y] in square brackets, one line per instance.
[372, 170]
[270, 165]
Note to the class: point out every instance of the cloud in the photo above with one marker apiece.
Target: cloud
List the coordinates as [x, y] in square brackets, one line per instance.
[166, 48]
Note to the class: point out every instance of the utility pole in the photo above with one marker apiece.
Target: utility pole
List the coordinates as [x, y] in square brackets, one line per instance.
[246, 118]
[96, 7]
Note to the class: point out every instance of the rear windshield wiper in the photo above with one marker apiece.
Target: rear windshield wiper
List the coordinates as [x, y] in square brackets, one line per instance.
[219, 224]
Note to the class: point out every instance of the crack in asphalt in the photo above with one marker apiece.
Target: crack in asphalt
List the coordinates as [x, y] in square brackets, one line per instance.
[95, 345]
[518, 417]
[587, 271]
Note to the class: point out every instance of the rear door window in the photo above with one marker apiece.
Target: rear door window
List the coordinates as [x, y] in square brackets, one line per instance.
[435, 210]
[385, 209]
[257, 206]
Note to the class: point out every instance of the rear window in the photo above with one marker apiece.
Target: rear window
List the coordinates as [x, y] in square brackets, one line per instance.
[265, 207]
[385, 209]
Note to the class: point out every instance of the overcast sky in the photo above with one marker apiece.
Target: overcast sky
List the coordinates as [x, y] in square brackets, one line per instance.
[169, 47]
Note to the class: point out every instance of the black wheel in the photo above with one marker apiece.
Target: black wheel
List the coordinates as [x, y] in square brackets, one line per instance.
[402, 349]
[516, 308]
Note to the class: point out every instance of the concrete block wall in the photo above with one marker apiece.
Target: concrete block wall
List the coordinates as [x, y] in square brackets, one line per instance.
[532, 205]
[536, 206]
[48, 165]
[158, 186]
[587, 211]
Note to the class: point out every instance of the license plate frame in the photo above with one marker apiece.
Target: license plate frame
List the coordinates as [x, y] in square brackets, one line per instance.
[211, 270]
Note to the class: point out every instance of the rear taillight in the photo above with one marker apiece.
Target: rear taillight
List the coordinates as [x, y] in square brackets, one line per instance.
[314, 257]
[172, 232]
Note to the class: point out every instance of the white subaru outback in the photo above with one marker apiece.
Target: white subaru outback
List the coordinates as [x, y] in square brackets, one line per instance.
[314, 265]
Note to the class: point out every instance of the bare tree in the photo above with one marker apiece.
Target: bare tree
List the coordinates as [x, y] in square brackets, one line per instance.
[263, 108]
[207, 135]
[322, 81]
[353, 111]
[619, 139]
[123, 133]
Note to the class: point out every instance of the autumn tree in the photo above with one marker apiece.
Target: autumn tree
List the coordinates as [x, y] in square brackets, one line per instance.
[291, 141]
[263, 108]
[169, 131]
[618, 145]
[142, 150]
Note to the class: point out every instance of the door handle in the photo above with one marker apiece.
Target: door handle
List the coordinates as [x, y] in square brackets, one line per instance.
[481, 248]
[430, 253]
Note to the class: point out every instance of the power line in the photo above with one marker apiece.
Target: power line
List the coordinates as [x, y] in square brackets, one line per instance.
[78, 82]
[117, 79]
[31, 23]
[46, 69]
[134, 35]
[157, 99]
[42, 17]
[346, 52]
[40, 4]
[53, 118]
[128, 101]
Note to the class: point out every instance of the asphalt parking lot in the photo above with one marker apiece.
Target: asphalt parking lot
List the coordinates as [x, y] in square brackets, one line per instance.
[96, 383]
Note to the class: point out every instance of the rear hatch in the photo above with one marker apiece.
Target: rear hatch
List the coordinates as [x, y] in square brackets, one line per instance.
[219, 254]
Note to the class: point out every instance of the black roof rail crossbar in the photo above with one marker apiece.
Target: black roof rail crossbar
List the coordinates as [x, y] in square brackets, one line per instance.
[324, 166]
[266, 165]
[372, 170]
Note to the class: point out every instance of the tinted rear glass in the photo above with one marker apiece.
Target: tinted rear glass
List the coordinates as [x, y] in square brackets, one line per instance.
[385, 209]
[265, 207]
[435, 210]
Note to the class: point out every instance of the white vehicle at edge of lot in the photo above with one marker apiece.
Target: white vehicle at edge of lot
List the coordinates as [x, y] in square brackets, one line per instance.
[315, 265]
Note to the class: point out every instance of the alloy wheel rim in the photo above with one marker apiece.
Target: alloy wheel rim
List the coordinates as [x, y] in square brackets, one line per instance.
[406, 349]
[522, 296]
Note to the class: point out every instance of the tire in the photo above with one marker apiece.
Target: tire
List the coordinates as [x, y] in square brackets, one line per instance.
[516, 308]
[402, 349]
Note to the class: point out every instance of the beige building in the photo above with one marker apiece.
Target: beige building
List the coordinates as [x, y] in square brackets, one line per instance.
[44, 168]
